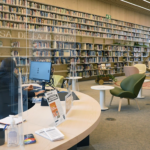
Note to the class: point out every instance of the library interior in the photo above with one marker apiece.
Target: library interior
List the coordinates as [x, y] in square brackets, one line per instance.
[74, 74]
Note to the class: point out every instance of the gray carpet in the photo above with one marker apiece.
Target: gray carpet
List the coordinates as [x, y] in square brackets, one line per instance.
[130, 130]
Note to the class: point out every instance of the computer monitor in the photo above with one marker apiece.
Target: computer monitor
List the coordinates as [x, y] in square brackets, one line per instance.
[40, 71]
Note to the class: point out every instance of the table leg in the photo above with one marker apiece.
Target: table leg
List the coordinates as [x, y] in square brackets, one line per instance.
[140, 94]
[74, 84]
[102, 100]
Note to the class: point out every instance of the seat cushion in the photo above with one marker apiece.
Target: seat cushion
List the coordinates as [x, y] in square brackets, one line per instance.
[121, 93]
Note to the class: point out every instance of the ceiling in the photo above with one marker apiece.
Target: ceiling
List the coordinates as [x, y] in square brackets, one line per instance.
[131, 7]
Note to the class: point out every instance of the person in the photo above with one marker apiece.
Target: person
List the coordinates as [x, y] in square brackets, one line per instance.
[9, 88]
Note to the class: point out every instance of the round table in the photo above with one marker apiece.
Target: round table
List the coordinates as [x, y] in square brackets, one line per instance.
[102, 89]
[74, 82]
[82, 119]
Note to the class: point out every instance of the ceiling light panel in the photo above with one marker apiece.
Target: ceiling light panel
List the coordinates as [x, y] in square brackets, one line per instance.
[136, 4]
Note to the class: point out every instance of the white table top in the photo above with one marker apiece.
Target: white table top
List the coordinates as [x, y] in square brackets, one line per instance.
[73, 77]
[82, 119]
[146, 80]
[102, 87]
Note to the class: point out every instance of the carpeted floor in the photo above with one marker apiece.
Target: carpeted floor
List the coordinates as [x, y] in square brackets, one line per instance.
[130, 130]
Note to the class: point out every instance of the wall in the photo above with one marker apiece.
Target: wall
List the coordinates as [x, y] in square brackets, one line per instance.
[100, 8]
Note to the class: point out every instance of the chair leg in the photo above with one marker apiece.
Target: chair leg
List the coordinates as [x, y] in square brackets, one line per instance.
[128, 101]
[137, 103]
[119, 108]
[111, 100]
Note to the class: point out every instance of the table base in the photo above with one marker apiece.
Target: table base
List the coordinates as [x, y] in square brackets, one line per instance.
[84, 142]
[140, 94]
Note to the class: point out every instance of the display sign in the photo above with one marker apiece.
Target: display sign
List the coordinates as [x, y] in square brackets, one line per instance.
[108, 16]
[68, 101]
[55, 107]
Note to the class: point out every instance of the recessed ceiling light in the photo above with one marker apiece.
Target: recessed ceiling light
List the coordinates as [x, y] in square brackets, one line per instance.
[146, 1]
[136, 4]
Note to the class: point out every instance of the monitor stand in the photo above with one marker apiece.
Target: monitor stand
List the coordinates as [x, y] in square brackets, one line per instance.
[43, 85]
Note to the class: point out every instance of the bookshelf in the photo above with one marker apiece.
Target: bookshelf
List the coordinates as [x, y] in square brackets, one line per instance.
[41, 32]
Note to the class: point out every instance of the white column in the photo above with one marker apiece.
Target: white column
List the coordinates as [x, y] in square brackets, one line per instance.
[74, 84]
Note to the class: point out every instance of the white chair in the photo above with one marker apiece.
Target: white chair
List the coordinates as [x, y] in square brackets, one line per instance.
[141, 67]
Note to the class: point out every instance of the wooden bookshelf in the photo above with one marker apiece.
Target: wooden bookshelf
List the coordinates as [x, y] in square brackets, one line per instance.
[65, 37]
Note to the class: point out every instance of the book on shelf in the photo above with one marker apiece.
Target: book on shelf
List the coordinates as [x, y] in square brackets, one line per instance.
[14, 53]
[1, 43]
[41, 53]
[15, 44]
[66, 53]
[20, 70]
[41, 45]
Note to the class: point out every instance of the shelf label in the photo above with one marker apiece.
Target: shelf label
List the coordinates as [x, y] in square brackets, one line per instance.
[64, 38]
[24, 35]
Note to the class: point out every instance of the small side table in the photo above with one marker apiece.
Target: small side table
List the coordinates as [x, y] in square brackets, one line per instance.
[102, 89]
[140, 92]
[74, 81]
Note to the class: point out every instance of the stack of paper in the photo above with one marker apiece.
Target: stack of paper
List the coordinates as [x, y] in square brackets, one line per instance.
[7, 120]
[51, 133]
[36, 100]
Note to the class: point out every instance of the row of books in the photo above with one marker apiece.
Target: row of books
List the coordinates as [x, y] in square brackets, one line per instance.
[118, 48]
[126, 59]
[61, 60]
[60, 23]
[89, 60]
[6, 24]
[15, 2]
[70, 53]
[38, 53]
[73, 25]
[74, 68]
[50, 15]
[73, 13]
[141, 49]
[21, 61]
[14, 53]
[20, 70]
[139, 54]
[65, 53]
[98, 47]
[136, 59]
[75, 53]
[113, 54]
[107, 59]
[24, 79]
[43, 60]
[1, 43]
[116, 65]
[88, 53]
[41, 44]
[66, 45]
[15, 44]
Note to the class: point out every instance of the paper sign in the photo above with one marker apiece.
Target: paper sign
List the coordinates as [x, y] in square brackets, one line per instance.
[55, 107]
[68, 101]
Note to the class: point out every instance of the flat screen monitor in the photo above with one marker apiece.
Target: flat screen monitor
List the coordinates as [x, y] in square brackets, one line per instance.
[40, 71]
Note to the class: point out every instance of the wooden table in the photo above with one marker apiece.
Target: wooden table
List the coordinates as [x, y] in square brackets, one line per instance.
[80, 122]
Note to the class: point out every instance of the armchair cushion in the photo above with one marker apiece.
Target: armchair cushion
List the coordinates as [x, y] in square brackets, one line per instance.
[130, 86]
[118, 92]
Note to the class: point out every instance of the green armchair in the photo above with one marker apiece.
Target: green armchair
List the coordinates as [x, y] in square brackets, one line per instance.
[130, 88]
